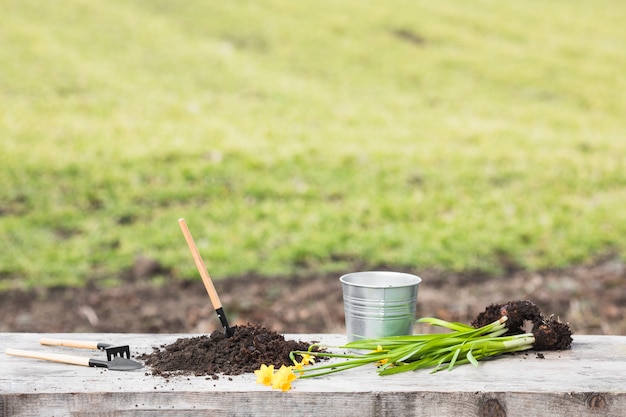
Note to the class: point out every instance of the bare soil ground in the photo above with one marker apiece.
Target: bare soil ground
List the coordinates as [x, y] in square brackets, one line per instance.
[591, 298]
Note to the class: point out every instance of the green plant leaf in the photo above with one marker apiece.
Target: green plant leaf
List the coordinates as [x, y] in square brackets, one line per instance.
[471, 358]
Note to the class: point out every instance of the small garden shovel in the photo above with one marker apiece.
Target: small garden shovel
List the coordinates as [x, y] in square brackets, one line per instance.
[206, 279]
[115, 364]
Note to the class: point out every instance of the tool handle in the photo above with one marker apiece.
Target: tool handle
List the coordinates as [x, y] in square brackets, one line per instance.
[54, 357]
[82, 344]
[206, 278]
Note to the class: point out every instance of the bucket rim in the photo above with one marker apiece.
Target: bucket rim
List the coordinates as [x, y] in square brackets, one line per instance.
[413, 279]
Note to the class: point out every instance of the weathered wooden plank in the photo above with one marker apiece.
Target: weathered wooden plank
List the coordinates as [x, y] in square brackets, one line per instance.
[588, 380]
[318, 404]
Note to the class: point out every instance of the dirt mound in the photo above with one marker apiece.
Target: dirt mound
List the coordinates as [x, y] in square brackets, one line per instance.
[245, 351]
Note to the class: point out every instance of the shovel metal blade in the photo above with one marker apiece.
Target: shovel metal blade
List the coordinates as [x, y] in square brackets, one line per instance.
[117, 363]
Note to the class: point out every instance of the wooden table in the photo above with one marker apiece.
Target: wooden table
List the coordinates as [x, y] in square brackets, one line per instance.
[588, 380]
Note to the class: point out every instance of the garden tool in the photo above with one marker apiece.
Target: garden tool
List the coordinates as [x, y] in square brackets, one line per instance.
[111, 351]
[206, 279]
[117, 363]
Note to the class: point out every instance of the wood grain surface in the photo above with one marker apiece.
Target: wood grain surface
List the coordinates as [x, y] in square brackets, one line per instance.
[588, 380]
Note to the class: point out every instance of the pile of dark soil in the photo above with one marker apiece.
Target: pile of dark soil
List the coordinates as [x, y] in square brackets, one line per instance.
[245, 351]
[550, 333]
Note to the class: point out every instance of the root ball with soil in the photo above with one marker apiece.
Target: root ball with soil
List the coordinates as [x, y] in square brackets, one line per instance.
[549, 333]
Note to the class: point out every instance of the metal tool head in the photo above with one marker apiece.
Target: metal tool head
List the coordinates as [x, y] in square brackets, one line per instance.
[116, 364]
[229, 331]
[115, 351]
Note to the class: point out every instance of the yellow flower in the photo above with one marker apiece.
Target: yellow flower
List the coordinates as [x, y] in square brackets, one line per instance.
[307, 359]
[379, 348]
[298, 367]
[264, 375]
[282, 378]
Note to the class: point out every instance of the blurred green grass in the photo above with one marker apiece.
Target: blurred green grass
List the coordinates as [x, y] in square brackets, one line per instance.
[309, 136]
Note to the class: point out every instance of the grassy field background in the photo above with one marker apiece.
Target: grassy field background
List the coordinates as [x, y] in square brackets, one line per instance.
[300, 137]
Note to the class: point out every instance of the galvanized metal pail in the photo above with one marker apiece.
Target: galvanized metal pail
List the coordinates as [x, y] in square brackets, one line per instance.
[379, 303]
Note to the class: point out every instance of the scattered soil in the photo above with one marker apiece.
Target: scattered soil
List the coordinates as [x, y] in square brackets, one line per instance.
[550, 333]
[590, 297]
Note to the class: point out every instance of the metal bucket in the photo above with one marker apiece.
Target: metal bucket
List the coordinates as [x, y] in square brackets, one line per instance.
[379, 303]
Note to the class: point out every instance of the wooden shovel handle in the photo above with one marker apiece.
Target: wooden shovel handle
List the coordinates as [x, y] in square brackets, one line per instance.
[83, 344]
[206, 278]
[54, 357]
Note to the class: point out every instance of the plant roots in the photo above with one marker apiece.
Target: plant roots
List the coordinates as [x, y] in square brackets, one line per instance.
[550, 333]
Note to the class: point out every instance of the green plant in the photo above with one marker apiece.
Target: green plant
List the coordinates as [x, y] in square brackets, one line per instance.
[395, 354]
